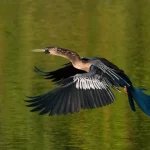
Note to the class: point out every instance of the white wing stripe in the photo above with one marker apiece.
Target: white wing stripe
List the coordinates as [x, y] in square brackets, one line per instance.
[82, 80]
[89, 82]
[96, 85]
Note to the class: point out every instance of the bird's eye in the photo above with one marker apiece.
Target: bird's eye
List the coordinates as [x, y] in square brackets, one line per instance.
[47, 50]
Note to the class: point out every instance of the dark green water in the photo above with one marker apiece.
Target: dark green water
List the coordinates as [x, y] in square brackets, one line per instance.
[117, 30]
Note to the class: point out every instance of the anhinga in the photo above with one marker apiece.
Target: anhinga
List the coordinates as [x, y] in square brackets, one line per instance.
[85, 83]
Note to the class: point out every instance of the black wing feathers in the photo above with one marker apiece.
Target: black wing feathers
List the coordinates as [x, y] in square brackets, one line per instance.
[111, 65]
[117, 70]
[64, 102]
[62, 73]
[70, 98]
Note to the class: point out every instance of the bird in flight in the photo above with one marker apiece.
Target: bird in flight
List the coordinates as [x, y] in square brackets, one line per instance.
[84, 83]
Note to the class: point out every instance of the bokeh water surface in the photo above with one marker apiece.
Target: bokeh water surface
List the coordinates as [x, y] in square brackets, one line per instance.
[114, 29]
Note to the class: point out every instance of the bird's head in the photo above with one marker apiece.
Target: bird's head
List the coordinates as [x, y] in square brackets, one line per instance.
[51, 50]
[48, 50]
[58, 51]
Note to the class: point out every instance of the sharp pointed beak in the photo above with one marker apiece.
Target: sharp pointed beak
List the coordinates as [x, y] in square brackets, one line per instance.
[38, 50]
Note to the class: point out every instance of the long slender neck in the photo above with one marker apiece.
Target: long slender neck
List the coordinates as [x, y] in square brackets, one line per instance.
[80, 64]
[77, 62]
[73, 57]
[70, 55]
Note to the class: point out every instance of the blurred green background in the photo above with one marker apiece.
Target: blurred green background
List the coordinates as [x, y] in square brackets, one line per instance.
[114, 29]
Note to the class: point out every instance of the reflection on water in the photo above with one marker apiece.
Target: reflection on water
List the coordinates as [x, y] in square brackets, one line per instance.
[117, 30]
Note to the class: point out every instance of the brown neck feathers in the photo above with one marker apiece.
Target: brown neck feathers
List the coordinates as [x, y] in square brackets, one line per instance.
[72, 56]
[75, 59]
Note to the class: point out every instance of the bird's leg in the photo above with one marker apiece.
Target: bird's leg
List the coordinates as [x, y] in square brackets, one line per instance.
[125, 90]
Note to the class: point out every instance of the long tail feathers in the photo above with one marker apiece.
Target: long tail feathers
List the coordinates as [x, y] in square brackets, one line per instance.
[142, 99]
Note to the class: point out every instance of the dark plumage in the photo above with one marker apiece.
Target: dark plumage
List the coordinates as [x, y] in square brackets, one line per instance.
[84, 83]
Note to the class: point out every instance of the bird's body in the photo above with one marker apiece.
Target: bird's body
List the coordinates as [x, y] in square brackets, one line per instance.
[85, 83]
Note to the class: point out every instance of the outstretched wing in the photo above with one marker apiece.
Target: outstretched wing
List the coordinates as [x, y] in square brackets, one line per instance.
[82, 91]
[60, 74]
